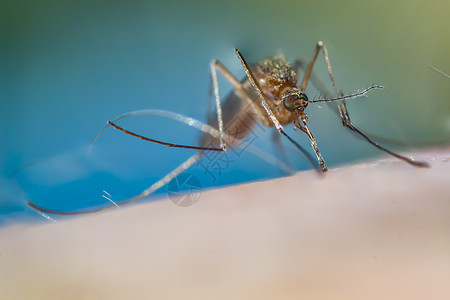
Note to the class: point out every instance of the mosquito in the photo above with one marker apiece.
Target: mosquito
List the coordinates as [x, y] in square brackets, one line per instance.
[270, 94]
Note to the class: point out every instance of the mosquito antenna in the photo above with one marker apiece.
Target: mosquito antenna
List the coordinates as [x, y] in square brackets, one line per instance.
[351, 96]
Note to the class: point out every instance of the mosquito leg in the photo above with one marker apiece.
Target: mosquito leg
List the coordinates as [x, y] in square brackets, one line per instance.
[310, 67]
[346, 122]
[161, 142]
[215, 66]
[319, 46]
[237, 85]
[215, 84]
[210, 101]
[219, 121]
[278, 147]
[259, 92]
[314, 79]
[157, 185]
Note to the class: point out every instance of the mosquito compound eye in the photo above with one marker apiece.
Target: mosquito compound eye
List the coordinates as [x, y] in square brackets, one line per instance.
[303, 97]
[291, 102]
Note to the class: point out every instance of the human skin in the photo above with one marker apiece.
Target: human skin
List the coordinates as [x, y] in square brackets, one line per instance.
[376, 230]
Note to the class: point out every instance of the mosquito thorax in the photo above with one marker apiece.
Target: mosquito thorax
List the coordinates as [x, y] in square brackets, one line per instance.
[294, 99]
[277, 70]
[275, 75]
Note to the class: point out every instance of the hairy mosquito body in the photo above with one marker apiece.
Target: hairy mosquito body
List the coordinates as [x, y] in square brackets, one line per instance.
[270, 94]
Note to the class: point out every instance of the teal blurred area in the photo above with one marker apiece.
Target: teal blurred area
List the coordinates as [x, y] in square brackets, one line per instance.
[66, 67]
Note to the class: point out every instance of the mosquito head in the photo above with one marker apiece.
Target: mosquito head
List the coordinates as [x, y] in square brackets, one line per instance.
[295, 100]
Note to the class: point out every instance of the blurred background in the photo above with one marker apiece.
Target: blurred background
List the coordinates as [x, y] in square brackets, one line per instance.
[67, 67]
